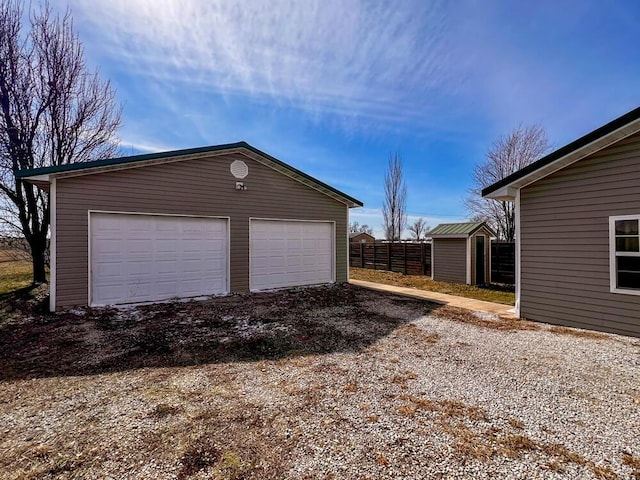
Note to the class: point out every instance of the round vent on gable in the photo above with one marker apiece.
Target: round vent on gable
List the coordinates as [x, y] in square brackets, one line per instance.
[239, 169]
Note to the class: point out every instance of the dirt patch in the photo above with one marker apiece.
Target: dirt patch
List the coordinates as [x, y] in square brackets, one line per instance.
[479, 320]
[578, 333]
[228, 329]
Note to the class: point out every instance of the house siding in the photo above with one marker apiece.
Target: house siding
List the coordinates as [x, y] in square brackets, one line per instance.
[450, 259]
[362, 238]
[564, 230]
[203, 187]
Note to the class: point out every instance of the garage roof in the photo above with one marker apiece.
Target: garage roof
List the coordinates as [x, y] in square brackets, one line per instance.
[42, 176]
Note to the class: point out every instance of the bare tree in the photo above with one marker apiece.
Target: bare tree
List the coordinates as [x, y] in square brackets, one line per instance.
[53, 111]
[395, 200]
[510, 153]
[418, 229]
[355, 227]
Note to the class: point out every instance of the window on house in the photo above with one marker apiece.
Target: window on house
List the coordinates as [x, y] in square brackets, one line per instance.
[625, 253]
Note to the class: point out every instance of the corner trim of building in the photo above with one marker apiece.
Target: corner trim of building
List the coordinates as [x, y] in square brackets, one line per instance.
[52, 245]
[468, 276]
[518, 252]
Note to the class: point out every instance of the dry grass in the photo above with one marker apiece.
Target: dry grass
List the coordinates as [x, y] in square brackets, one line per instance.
[495, 293]
[515, 423]
[14, 275]
[456, 419]
[633, 462]
[578, 333]
[502, 323]
[444, 408]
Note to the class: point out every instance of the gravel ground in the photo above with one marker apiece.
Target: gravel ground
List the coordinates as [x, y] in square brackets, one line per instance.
[336, 382]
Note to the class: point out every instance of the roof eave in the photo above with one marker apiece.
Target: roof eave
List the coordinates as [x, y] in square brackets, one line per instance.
[505, 189]
[46, 178]
[444, 235]
[505, 194]
[243, 148]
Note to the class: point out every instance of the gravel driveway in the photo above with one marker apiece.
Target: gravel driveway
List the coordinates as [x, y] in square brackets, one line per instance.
[337, 382]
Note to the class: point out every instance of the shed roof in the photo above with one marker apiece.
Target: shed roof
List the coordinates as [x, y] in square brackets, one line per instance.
[456, 229]
[44, 174]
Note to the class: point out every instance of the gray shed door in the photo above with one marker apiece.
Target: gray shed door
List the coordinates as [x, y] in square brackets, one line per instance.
[145, 258]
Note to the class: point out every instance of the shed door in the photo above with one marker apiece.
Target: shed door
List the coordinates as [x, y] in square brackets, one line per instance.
[287, 253]
[146, 258]
[480, 260]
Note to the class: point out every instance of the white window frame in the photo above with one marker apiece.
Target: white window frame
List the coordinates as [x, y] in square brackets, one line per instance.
[613, 273]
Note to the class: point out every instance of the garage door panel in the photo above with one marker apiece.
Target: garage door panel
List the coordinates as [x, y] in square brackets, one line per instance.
[168, 289]
[140, 258]
[289, 253]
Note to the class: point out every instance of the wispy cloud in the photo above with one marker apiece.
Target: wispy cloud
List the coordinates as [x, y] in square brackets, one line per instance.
[131, 146]
[376, 60]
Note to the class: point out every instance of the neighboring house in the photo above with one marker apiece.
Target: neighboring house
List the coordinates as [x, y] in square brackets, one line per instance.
[461, 252]
[361, 237]
[189, 223]
[578, 231]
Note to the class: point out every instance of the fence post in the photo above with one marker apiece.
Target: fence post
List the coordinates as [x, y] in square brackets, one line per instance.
[374, 256]
[422, 255]
[389, 247]
[362, 255]
[498, 268]
[404, 251]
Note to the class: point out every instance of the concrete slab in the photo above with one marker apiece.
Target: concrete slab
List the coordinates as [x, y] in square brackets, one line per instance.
[442, 298]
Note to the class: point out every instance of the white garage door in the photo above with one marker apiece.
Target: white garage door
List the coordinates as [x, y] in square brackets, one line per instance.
[146, 258]
[286, 253]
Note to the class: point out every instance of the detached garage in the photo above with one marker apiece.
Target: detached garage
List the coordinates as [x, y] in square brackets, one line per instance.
[189, 223]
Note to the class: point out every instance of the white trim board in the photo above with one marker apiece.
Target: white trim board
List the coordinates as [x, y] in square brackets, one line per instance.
[489, 272]
[468, 276]
[53, 242]
[518, 260]
[433, 265]
[613, 274]
[348, 247]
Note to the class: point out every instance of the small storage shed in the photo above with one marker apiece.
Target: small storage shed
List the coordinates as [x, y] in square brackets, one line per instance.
[189, 223]
[577, 219]
[361, 237]
[461, 253]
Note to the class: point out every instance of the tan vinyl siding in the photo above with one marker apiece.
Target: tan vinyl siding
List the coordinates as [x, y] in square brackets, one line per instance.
[565, 241]
[450, 259]
[192, 187]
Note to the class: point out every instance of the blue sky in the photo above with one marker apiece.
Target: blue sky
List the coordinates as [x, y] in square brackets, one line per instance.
[334, 87]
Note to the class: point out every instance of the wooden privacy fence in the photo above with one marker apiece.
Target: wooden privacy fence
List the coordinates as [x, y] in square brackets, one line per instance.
[415, 258]
[503, 262]
[407, 258]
